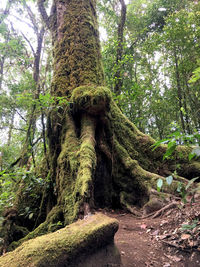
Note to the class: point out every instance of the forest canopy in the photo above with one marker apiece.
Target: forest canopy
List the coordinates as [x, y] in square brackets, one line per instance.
[159, 69]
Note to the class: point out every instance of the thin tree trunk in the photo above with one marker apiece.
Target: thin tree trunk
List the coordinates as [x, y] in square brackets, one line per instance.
[179, 92]
[1, 70]
[11, 128]
[194, 106]
[27, 150]
[118, 78]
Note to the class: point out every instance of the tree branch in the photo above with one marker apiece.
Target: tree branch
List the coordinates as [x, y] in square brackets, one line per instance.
[6, 11]
[20, 114]
[43, 13]
[28, 43]
[32, 18]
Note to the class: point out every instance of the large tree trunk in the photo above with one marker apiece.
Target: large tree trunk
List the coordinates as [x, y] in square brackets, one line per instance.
[98, 158]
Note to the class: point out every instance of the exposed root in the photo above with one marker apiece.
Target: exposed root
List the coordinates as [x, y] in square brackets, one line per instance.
[160, 212]
[144, 177]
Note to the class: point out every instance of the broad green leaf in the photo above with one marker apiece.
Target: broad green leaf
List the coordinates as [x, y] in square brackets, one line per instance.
[170, 151]
[169, 179]
[159, 184]
[158, 143]
[191, 156]
[191, 182]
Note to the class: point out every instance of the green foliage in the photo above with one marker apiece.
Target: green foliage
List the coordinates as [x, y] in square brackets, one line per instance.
[9, 185]
[177, 138]
[169, 181]
[196, 75]
[191, 226]
[182, 189]
[172, 141]
[155, 31]
[45, 101]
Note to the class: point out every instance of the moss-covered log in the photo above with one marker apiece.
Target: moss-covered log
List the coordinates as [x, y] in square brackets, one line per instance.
[98, 158]
[75, 245]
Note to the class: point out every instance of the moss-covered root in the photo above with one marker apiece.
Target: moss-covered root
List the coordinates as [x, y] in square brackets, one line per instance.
[87, 161]
[62, 247]
[139, 146]
[143, 180]
[49, 225]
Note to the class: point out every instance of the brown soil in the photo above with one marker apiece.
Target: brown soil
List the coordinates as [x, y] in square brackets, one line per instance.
[160, 242]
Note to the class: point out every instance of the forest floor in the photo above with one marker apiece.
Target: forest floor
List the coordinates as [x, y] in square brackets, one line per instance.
[170, 240]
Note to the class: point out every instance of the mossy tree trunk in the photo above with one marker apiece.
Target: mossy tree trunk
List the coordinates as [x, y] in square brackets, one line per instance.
[98, 158]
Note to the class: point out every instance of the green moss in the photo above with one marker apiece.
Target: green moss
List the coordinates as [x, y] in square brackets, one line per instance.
[75, 37]
[137, 144]
[64, 245]
[70, 146]
[87, 159]
[76, 164]
[183, 152]
[91, 99]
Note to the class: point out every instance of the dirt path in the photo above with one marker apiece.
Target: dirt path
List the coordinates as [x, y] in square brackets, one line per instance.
[139, 245]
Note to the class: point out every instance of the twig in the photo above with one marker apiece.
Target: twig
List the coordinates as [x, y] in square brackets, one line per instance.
[176, 246]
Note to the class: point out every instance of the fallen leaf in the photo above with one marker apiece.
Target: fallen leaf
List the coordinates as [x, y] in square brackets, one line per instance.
[173, 258]
[155, 232]
[185, 236]
[191, 243]
[143, 226]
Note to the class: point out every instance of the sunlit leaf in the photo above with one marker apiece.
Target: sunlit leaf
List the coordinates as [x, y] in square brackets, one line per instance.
[159, 184]
[169, 179]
